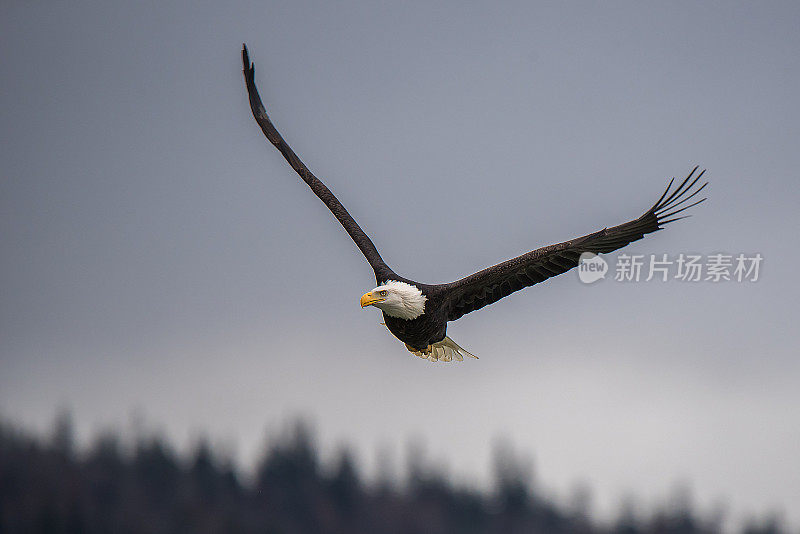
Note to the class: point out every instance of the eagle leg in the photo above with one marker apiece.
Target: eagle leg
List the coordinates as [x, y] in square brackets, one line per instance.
[426, 350]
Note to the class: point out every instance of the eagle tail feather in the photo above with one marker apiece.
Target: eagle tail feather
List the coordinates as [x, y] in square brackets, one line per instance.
[445, 350]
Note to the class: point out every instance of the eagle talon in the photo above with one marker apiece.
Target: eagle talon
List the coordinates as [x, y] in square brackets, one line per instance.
[426, 350]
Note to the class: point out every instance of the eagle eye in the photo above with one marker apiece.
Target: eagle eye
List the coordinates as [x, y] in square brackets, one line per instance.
[383, 293]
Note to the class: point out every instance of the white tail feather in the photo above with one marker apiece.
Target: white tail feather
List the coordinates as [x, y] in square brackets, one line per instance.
[445, 350]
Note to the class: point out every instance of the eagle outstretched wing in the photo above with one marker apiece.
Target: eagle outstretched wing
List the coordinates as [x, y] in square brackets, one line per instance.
[492, 284]
[364, 243]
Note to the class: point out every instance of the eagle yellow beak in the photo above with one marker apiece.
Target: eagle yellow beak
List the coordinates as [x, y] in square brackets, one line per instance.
[368, 299]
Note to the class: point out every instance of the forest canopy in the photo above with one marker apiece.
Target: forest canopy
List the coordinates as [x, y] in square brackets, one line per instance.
[46, 485]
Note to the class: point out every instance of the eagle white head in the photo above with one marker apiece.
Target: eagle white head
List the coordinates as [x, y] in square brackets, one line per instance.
[396, 299]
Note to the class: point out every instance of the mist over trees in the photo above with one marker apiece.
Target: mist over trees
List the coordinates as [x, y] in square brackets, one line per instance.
[46, 485]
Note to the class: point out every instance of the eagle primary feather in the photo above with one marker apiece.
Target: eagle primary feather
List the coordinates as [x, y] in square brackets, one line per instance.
[417, 314]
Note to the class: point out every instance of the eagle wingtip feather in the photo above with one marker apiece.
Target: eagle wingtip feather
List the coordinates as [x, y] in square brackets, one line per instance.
[248, 66]
[670, 202]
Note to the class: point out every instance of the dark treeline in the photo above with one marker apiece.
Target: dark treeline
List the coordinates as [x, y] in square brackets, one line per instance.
[47, 486]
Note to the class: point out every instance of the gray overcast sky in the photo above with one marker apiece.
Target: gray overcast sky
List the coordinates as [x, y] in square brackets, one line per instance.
[158, 256]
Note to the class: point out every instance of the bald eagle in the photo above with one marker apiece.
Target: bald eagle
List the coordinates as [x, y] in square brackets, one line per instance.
[416, 313]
